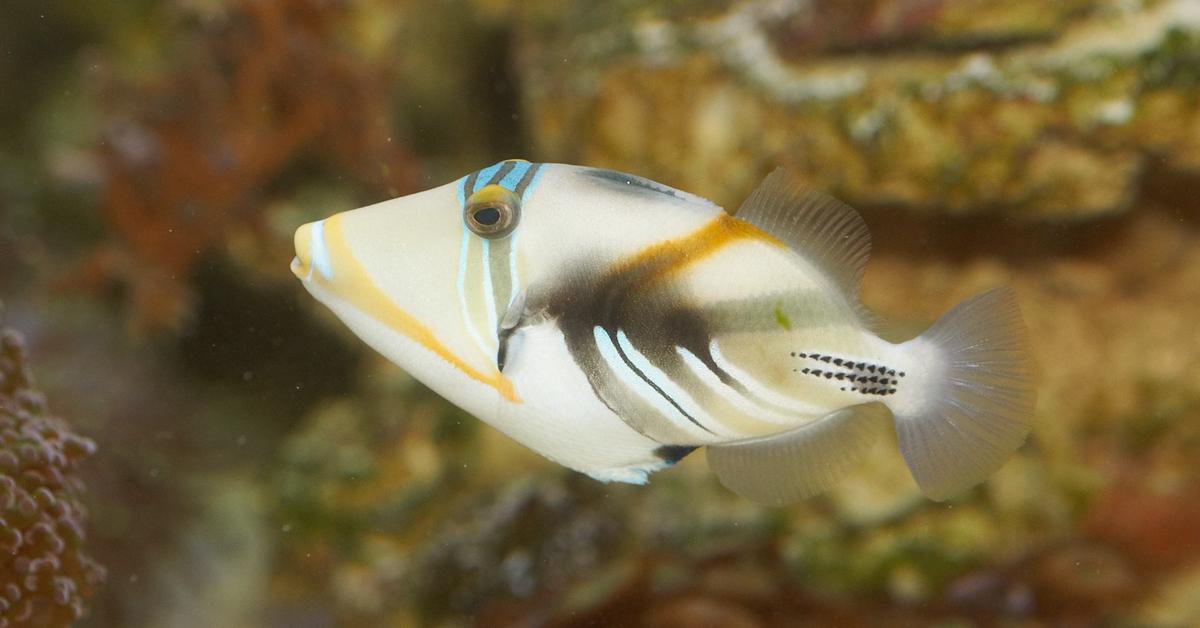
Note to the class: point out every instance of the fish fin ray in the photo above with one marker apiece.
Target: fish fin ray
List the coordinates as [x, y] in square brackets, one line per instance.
[514, 317]
[972, 418]
[821, 229]
[802, 462]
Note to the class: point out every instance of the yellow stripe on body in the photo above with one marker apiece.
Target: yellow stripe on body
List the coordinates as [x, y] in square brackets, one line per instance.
[666, 259]
[671, 256]
[357, 288]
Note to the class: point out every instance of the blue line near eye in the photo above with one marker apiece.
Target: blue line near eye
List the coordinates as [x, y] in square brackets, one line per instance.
[532, 183]
[513, 177]
[485, 176]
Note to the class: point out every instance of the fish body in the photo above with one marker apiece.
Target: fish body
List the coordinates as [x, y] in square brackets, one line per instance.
[614, 324]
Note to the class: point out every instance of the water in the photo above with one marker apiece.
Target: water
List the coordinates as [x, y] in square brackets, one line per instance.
[257, 465]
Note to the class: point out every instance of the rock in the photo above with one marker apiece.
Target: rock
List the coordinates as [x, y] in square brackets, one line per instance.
[973, 107]
[699, 612]
[1084, 575]
[1175, 603]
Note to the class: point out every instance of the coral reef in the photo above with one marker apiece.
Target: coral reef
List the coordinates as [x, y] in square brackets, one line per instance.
[45, 574]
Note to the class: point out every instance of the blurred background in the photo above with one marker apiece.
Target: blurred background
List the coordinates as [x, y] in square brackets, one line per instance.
[250, 463]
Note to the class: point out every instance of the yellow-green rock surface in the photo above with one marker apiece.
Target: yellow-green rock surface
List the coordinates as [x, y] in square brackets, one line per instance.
[1034, 109]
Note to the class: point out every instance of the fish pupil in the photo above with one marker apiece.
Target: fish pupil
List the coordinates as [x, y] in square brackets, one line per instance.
[487, 216]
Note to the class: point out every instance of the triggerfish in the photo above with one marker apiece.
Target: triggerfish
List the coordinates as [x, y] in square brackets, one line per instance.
[614, 324]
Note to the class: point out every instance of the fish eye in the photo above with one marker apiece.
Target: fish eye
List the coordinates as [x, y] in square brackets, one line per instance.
[492, 212]
[487, 215]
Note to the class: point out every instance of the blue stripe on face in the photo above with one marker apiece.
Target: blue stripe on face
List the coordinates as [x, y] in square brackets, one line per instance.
[485, 176]
[462, 191]
[519, 177]
[510, 181]
[513, 177]
[537, 174]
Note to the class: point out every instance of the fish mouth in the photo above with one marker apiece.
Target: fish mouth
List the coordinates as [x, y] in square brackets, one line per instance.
[313, 259]
[302, 263]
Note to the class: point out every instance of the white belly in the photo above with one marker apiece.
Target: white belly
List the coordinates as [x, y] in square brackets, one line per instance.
[560, 416]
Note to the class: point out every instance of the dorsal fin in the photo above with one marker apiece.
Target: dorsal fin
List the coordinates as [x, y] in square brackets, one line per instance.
[821, 229]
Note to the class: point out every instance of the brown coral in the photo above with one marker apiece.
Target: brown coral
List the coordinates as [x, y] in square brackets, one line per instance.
[190, 156]
[45, 576]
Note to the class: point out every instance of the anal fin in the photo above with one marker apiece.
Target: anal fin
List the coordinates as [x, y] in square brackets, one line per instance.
[790, 466]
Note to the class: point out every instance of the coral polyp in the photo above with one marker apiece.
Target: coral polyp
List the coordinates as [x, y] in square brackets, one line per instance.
[45, 575]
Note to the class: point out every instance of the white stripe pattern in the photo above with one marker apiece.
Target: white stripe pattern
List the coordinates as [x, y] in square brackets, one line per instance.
[748, 407]
[757, 388]
[668, 386]
[639, 386]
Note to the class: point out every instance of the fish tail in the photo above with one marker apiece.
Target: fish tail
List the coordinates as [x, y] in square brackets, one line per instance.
[968, 404]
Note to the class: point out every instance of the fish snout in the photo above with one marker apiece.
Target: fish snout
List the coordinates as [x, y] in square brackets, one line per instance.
[302, 263]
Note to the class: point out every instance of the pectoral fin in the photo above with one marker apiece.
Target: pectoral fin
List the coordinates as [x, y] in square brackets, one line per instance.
[509, 323]
[790, 466]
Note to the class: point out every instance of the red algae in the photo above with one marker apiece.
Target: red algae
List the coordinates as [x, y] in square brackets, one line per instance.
[177, 185]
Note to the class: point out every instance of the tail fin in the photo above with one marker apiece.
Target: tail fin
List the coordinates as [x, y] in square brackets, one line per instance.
[970, 405]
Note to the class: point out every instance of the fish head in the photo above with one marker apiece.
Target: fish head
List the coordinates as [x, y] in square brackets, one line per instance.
[426, 279]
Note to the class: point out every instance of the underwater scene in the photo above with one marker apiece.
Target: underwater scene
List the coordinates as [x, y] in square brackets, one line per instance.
[226, 402]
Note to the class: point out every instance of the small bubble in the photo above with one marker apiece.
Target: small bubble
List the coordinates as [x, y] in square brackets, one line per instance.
[287, 527]
[241, 440]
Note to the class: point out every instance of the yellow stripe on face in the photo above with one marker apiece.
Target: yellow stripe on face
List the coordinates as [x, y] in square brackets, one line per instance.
[356, 287]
